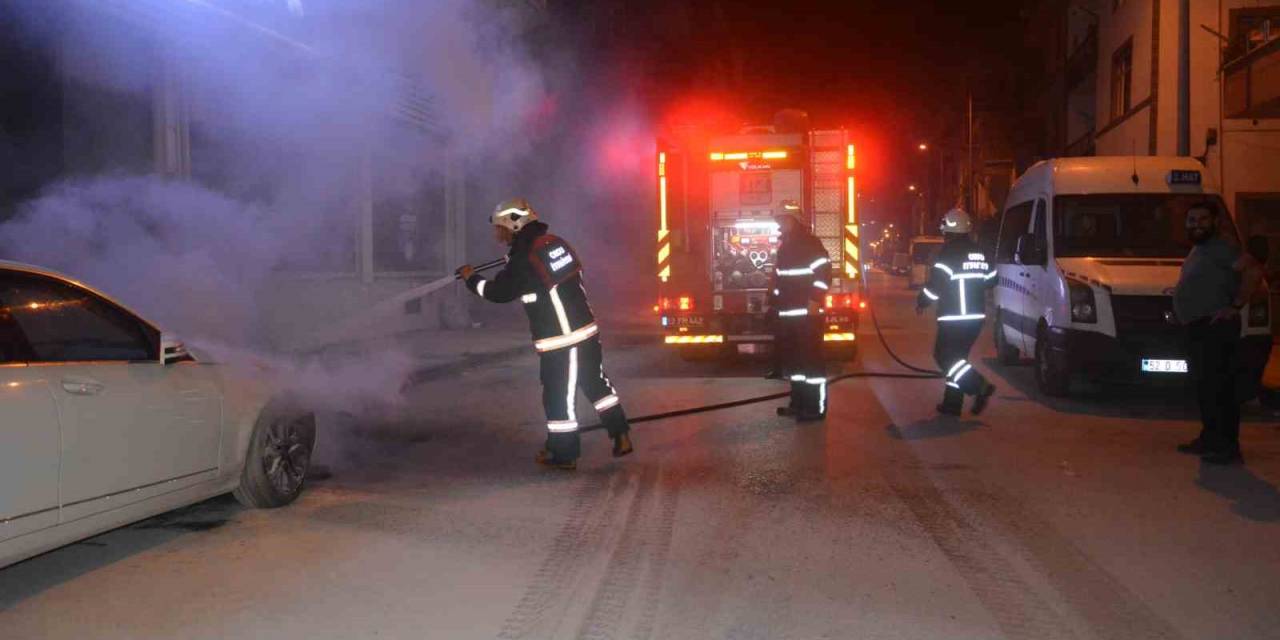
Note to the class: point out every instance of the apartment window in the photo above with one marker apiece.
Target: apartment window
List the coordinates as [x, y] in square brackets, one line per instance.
[1122, 80]
[1251, 28]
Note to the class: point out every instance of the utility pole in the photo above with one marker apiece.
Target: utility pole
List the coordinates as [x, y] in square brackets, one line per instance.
[1184, 77]
[968, 190]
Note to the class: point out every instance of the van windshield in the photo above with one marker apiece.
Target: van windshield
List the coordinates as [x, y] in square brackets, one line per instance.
[1144, 225]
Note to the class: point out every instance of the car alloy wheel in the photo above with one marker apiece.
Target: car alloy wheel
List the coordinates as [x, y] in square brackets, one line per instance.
[284, 455]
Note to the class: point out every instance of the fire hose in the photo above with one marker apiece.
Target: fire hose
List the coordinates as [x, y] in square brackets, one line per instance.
[922, 374]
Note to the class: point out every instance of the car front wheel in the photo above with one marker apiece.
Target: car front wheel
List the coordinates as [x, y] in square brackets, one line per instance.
[278, 458]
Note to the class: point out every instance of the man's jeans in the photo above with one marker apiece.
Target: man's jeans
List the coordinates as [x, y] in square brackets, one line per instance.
[1214, 363]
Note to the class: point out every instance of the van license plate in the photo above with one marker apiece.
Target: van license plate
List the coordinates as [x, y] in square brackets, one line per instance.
[1164, 366]
[750, 348]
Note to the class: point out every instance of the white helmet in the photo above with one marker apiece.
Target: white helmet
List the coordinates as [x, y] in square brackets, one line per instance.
[955, 221]
[513, 214]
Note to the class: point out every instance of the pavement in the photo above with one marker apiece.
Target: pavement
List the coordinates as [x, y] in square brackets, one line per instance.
[1042, 518]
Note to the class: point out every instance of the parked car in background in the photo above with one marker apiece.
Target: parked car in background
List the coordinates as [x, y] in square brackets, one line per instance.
[108, 420]
[923, 253]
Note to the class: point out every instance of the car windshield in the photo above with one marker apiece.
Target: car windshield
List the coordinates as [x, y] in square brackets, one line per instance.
[1147, 225]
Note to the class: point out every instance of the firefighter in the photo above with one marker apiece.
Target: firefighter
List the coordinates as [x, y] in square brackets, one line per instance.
[545, 274]
[802, 276]
[958, 283]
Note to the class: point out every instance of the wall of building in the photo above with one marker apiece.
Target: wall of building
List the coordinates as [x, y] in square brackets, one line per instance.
[1131, 133]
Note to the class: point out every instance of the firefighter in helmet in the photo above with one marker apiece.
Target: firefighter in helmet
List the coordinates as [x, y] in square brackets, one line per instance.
[545, 274]
[802, 276]
[958, 283]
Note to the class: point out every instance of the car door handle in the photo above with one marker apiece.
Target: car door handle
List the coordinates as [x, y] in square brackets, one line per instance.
[82, 386]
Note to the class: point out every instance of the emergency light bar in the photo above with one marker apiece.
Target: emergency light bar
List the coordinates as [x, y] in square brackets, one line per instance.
[694, 339]
[717, 156]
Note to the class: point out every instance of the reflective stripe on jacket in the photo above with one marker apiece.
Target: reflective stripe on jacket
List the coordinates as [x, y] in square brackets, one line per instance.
[802, 274]
[958, 281]
[544, 272]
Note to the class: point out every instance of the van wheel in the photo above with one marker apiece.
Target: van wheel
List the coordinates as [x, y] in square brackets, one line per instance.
[1051, 372]
[1006, 353]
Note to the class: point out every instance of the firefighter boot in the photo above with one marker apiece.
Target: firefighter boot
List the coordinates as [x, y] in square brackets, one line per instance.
[622, 445]
[547, 459]
[952, 402]
[984, 396]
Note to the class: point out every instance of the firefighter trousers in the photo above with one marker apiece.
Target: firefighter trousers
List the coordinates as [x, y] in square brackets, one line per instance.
[951, 352]
[563, 372]
[798, 342]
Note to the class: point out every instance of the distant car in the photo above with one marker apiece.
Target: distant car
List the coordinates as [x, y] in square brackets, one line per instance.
[106, 420]
[901, 264]
[924, 253]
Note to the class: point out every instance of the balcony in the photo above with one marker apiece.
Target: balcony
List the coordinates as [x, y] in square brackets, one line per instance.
[1252, 85]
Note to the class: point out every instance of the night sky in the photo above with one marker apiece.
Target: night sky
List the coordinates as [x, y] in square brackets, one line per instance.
[895, 73]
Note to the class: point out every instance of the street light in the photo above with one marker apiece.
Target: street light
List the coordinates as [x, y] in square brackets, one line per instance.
[911, 187]
[923, 147]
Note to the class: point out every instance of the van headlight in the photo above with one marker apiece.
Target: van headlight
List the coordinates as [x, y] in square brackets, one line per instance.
[1084, 308]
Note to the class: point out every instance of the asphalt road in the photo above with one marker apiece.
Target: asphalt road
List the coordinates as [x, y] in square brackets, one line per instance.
[1043, 519]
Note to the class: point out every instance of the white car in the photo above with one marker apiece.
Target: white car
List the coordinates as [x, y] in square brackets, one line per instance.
[106, 420]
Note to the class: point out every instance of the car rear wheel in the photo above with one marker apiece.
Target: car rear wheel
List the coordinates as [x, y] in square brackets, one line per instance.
[1006, 353]
[1051, 373]
[278, 458]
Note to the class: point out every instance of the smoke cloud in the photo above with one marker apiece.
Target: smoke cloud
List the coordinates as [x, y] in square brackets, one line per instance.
[284, 112]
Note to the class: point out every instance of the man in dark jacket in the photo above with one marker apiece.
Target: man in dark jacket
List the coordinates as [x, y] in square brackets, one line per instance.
[545, 273]
[802, 276]
[1217, 281]
[958, 283]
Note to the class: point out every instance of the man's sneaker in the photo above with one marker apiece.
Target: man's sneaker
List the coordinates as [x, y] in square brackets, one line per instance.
[545, 459]
[786, 412]
[948, 410]
[1195, 447]
[1223, 457]
[980, 400]
[622, 445]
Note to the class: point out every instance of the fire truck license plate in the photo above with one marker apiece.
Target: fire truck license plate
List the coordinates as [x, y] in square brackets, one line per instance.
[1164, 366]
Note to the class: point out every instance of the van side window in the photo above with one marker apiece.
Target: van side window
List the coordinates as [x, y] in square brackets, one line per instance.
[1017, 220]
[1042, 228]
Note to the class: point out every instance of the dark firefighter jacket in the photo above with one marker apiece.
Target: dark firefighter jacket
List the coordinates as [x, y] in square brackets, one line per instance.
[544, 272]
[802, 274]
[958, 281]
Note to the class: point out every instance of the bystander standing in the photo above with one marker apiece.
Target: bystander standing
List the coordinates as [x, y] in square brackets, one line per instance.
[1216, 282]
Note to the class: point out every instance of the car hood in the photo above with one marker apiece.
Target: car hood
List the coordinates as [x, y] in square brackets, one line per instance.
[1126, 276]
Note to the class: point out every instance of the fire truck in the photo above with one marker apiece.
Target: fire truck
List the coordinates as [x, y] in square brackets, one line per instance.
[717, 240]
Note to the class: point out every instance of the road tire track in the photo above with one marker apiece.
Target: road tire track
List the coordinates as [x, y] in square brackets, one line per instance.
[662, 529]
[1109, 608]
[566, 556]
[1019, 611]
[625, 568]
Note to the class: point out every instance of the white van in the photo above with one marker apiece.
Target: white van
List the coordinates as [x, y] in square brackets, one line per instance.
[924, 253]
[1088, 254]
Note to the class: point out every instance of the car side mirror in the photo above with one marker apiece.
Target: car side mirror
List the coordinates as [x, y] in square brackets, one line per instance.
[1027, 252]
[173, 350]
